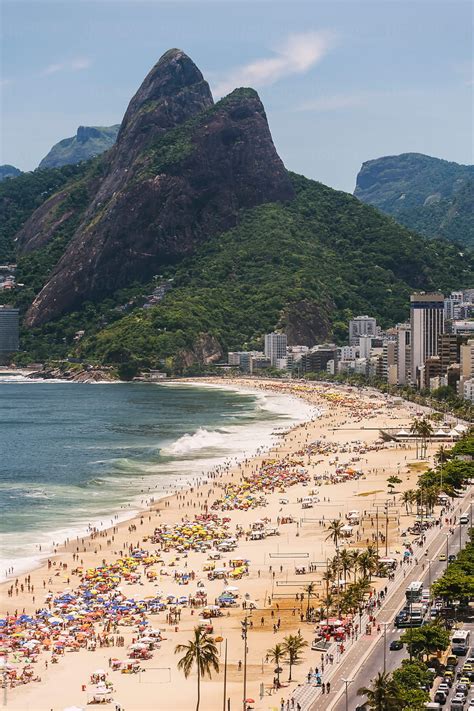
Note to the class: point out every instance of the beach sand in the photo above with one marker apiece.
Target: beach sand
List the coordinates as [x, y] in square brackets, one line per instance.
[347, 416]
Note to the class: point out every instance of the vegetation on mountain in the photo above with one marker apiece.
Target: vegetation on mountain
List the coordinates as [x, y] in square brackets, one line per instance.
[89, 141]
[20, 196]
[432, 196]
[8, 171]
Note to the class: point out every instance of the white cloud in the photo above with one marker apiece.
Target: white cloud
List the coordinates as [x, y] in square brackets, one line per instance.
[296, 55]
[72, 65]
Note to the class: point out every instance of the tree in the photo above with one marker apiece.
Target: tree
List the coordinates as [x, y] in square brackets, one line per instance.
[293, 646]
[366, 564]
[407, 498]
[346, 563]
[392, 482]
[335, 531]
[426, 640]
[201, 651]
[383, 695]
[127, 370]
[275, 655]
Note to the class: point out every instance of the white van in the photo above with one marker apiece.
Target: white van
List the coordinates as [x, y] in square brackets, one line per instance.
[307, 502]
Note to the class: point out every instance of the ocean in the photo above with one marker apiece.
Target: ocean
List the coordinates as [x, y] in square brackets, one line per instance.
[74, 455]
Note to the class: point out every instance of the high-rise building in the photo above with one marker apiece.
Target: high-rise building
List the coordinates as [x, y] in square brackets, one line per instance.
[365, 346]
[318, 357]
[467, 360]
[449, 350]
[426, 322]
[389, 355]
[455, 298]
[275, 347]
[361, 326]
[403, 353]
[9, 330]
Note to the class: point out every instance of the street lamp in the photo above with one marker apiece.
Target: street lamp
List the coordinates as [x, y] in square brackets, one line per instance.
[244, 624]
[347, 682]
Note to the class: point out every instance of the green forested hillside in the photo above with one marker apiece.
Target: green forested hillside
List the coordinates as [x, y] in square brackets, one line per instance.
[324, 248]
[322, 257]
[20, 196]
[432, 196]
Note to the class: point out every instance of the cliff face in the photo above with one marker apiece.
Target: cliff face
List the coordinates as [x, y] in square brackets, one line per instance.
[88, 142]
[181, 170]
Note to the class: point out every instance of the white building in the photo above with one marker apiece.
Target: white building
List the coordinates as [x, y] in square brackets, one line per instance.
[427, 323]
[275, 347]
[451, 302]
[468, 390]
[361, 326]
[348, 352]
[365, 346]
[403, 353]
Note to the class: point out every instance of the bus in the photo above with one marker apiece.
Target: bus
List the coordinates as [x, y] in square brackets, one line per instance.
[460, 642]
[414, 591]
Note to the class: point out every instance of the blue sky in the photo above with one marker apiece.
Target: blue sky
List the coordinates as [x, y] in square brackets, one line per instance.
[342, 81]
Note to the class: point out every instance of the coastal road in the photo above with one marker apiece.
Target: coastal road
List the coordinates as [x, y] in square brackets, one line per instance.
[364, 657]
[364, 664]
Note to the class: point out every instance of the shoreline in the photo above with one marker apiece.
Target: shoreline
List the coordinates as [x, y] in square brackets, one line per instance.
[347, 415]
[119, 516]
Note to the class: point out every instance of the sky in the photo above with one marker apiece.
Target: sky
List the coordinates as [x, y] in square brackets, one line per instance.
[342, 81]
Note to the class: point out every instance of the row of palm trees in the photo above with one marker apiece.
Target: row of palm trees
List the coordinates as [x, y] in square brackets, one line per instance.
[290, 650]
[423, 429]
[201, 653]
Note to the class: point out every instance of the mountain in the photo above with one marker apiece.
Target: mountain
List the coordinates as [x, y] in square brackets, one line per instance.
[88, 142]
[432, 196]
[8, 171]
[189, 238]
[180, 171]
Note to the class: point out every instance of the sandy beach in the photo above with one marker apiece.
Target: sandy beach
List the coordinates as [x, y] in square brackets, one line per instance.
[338, 458]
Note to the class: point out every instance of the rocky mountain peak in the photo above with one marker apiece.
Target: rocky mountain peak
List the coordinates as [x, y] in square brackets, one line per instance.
[182, 169]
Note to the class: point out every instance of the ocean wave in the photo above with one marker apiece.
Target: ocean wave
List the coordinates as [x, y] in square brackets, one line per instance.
[201, 439]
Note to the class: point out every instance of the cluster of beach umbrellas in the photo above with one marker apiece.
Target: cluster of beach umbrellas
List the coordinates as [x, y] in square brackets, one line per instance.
[274, 475]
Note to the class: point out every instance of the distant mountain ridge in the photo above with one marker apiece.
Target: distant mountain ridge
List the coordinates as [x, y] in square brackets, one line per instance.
[9, 171]
[432, 196]
[89, 141]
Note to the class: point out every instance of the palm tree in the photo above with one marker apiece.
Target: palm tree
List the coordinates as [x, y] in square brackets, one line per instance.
[310, 590]
[202, 652]
[366, 564]
[425, 430]
[383, 695]
[346, 563]
[392, 481]
[335, 531]
[354, 557]
[414, 429]
[407, 498]
[293, 645]
[275, 655]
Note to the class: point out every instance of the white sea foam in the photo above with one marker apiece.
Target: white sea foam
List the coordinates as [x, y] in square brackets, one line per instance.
[191, 455]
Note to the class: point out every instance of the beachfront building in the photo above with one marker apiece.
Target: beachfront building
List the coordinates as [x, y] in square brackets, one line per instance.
[463, 328]
[317, 359]
[275, 347]
[426, 325]
[9, 331]
[361, 326]
[403, 353]
[389, 362]
[365, 346]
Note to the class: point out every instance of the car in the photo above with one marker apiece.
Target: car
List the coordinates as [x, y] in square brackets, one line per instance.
[447, 680]
[442, 557]
[444, 687]
[464, 519]
[440, 697]
[395, 644]
[465, 680]
[452, 558]
[462, 689]
[452, 661]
